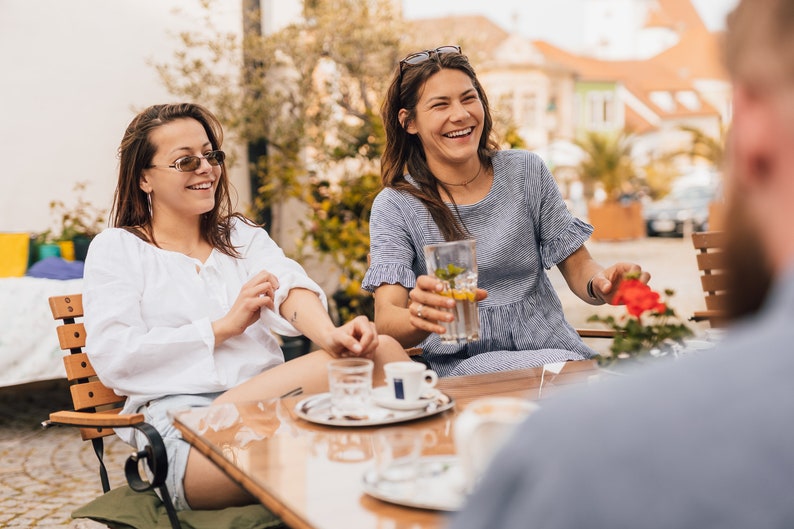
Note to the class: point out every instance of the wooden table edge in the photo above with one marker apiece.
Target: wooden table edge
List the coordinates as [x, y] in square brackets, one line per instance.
[293, 520]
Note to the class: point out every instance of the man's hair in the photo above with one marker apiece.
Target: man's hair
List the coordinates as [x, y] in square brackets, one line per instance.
[760, 31]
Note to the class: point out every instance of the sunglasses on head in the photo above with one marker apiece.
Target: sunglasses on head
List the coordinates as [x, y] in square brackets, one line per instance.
[188, 164]
[424, 56]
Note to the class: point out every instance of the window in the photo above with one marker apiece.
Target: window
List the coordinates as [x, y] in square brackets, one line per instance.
[689, 99]
[663, 100]
[600, 109]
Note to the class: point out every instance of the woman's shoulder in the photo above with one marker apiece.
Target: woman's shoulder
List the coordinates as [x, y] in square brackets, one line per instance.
[516, 156]
[389, 197]
[114, 238]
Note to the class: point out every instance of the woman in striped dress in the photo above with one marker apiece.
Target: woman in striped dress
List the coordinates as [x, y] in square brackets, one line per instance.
[445, 179]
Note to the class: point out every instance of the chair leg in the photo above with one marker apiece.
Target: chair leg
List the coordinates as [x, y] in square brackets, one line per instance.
[99, 450]
[156, 460]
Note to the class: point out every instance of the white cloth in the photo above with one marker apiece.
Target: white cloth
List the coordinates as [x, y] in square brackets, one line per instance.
[149, 313]
[29, 349]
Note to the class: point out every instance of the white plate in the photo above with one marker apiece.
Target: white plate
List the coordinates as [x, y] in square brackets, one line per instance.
[382, 397]
[317, 409]
[439, 486]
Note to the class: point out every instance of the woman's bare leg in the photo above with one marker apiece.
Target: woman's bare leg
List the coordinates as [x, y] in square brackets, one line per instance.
[206, 486]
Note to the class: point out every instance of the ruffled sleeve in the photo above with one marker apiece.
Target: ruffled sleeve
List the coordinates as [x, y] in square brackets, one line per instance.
[392, 252]
[557, 250]
[389, 274]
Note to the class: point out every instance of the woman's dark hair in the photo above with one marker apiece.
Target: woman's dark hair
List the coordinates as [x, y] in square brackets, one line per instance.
[404, 151]
[131, 209]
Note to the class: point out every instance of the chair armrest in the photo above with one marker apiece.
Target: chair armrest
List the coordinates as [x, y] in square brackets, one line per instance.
[596, 333]
[100, 419]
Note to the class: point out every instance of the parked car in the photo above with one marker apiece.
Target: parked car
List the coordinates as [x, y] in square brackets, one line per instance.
[684, 208]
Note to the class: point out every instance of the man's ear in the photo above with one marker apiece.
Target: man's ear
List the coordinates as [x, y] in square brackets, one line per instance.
[408, 125]
[750, 144]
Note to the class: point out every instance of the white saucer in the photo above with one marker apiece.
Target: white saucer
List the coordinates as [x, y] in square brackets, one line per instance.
[382, 397]
[438, 487]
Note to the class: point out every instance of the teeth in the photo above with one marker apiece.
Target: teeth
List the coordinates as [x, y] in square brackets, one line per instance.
[458, 133]
[205, 185]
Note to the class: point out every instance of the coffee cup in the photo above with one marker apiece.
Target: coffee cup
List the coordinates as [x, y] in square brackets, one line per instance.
[481, 429]
[408, 380]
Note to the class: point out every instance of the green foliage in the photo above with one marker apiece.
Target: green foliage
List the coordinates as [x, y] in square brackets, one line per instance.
[338, 227]
[655, 333]
[608, 161]
[513, 139]
[705, 147]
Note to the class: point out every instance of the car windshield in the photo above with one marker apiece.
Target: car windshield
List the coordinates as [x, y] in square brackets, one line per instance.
[692, 194]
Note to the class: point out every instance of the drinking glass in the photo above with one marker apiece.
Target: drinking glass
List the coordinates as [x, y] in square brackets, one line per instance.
[397, 453]
[455, 264]
[350, 382]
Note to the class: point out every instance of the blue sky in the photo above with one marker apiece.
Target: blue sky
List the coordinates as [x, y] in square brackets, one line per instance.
[557, 21]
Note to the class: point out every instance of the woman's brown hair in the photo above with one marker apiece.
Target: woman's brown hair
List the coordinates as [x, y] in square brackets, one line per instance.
[131, 209]
[404, 151]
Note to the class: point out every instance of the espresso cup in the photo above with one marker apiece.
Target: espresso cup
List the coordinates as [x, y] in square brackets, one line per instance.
[408, 380]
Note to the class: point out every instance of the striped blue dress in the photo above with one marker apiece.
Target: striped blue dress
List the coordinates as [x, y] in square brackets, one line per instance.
[522, 227]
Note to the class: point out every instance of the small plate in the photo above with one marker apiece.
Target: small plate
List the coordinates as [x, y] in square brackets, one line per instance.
[317, 409]
[382, 397]
[439, 486]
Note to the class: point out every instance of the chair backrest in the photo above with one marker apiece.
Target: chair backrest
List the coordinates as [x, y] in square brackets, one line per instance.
[713, 274]
[88, 393]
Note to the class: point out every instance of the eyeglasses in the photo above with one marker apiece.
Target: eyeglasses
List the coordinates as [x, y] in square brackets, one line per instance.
[424, 56]
[188, 164]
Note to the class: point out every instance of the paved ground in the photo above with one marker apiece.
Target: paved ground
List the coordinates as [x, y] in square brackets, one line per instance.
[44, 474]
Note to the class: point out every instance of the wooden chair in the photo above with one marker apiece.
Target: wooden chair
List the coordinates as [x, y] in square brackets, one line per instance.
[97, 412]
[713, 276]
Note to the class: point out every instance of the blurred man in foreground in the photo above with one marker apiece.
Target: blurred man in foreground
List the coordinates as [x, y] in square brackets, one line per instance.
[707, 441]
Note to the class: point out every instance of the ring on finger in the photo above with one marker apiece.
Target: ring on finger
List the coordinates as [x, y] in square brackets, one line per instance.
[419, 311]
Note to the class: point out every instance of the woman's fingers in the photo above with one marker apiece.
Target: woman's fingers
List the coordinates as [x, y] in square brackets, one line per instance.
[428, 318]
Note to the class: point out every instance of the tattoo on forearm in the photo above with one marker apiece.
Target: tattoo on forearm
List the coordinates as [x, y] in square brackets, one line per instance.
[294, 317]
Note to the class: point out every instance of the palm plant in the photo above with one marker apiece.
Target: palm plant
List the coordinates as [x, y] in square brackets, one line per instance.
[607, 160]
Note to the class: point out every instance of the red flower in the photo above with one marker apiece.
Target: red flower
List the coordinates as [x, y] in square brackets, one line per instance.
[638, 298]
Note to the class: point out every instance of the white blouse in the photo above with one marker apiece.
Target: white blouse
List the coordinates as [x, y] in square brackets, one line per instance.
[149, 314]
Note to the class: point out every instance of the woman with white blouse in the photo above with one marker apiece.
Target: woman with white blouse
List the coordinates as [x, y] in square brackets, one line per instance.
[182, 297]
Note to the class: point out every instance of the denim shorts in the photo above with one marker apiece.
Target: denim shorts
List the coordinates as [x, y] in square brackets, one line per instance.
[157, 413]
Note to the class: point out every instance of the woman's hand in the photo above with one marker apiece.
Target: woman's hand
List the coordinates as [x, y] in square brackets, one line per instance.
[357, 337]
[256, 293]
[428, 309]
[606, 282]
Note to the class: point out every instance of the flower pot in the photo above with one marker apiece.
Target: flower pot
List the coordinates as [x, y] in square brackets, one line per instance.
[67, 250]
[613, 221]
[717, 216]
[81, 243]
[49, 250]
[14, 249]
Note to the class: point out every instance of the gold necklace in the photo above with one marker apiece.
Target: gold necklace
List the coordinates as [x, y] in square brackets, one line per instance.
[467, 182]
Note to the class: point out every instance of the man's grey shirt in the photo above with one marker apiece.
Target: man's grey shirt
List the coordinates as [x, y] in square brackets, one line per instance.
[705, 441]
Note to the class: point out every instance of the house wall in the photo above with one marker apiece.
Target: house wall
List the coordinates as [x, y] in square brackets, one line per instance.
[597, 107]
[74, 75]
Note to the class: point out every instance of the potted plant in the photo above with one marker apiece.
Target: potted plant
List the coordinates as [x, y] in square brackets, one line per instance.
[77, 224]
[607, 162]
